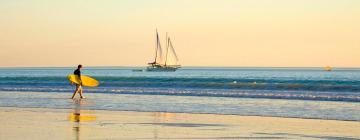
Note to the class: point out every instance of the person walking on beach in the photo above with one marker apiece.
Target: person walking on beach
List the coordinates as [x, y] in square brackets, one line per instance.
[78, 89]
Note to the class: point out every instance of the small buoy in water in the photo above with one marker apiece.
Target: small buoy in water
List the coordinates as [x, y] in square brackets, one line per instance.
[234, 82]
[328, 68]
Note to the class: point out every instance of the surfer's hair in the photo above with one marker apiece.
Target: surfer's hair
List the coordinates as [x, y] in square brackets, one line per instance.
[79, 66]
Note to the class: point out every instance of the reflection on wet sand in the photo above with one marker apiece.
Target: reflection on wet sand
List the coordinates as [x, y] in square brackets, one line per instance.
[78, 115]
[44, 124]
[161, 117]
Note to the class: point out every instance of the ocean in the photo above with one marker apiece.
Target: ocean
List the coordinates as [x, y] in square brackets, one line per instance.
[280, 92]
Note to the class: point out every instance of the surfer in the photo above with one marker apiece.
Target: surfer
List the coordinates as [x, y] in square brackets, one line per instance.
[78, 89]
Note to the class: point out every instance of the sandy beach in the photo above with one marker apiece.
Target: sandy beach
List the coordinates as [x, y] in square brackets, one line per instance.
[41, 124]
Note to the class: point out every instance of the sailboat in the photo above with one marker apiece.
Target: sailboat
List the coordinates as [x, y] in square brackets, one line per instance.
[164, 62]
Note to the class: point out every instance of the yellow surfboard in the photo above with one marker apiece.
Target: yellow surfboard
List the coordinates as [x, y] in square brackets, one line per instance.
[77, 117]
[86, 80]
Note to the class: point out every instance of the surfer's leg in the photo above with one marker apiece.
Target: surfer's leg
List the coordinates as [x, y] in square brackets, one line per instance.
[81, 92]
[76, 90]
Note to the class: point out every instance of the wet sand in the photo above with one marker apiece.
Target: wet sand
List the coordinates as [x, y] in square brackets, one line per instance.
[44, 124]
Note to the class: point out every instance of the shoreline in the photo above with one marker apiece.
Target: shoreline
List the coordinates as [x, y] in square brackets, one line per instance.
[40, 123]
[190, 113]
[329, 110]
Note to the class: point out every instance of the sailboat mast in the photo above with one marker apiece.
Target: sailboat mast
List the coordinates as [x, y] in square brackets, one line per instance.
[167, 47]
[157, 45]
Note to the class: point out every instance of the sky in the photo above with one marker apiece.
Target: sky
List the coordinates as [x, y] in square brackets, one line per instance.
[244, 33]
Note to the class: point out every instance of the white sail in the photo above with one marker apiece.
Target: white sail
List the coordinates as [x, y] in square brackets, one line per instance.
[159, 52]
[171, 58]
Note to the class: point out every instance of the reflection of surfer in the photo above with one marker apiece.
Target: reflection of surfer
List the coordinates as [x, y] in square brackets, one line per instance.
[78, 86]
[76, 118]
[79, 115]
[77, 110]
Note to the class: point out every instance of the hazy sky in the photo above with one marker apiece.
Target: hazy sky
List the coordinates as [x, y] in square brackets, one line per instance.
[276, 33]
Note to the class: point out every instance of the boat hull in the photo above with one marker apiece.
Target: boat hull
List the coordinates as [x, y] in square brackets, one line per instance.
[161, 69]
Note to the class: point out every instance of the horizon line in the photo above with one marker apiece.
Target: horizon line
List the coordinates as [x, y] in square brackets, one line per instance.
[184, 67]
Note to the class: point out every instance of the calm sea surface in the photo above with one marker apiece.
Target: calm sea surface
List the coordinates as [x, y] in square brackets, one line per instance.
[284, 92]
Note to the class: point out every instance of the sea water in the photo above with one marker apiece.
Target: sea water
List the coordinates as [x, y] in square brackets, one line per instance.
[282, 92]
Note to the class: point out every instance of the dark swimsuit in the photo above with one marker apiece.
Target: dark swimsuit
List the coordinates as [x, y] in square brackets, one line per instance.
[78, 73]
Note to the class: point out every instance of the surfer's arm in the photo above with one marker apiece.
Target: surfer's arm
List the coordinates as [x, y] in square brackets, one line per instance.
[80, 79]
